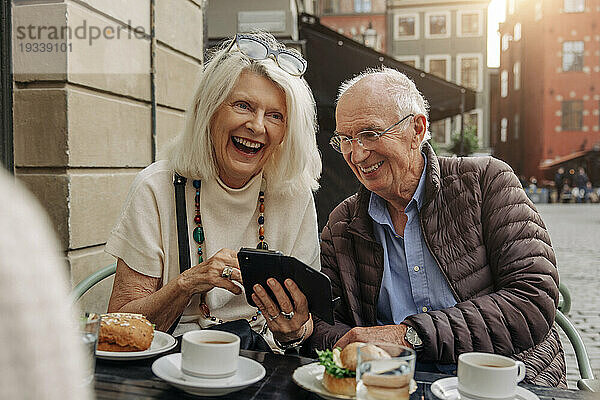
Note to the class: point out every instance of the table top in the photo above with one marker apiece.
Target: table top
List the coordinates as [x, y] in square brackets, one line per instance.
[135, 380]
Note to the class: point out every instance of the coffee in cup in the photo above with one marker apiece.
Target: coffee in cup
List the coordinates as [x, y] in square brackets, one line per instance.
[490, 376]
[209, 354]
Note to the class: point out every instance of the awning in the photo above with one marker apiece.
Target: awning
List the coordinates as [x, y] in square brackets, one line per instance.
[564, 159]
[588, 159]
[333, 58]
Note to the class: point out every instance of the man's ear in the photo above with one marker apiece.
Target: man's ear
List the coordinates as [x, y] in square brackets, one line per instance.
[420, 127]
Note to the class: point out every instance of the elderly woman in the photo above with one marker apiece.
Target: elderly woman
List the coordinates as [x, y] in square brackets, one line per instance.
[250, 157]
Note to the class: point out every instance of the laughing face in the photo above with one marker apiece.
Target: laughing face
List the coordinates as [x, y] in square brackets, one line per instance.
[247, 128]
[396, 159]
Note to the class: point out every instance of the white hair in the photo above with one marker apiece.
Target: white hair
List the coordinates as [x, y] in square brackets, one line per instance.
[400, 87]
[295, 164]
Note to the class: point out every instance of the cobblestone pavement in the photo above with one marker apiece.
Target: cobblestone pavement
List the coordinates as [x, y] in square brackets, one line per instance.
[575, 233]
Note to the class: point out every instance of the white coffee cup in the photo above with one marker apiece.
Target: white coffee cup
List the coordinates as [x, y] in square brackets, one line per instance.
[489, 376]
[209, 354]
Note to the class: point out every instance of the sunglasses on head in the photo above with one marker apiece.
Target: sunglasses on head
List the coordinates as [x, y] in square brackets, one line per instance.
[257, 49]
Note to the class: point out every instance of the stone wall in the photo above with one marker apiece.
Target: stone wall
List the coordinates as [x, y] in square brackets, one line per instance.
[84, 124]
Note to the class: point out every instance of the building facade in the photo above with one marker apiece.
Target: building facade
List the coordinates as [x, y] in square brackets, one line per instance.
[447, 38]
[549, 83]
[94, 108]
[361, 20]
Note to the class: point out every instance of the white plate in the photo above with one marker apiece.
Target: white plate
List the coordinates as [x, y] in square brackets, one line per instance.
[162, 342]
[447, 389]
[168, 368]
[310, 377]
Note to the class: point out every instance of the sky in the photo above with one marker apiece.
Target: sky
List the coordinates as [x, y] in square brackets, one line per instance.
[496, 14]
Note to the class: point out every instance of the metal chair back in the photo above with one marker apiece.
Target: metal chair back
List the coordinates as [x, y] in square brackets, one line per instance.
[587, 381]
[87, 283]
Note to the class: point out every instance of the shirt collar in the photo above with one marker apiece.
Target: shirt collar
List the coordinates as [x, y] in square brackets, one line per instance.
[419, 195]
[377, 206]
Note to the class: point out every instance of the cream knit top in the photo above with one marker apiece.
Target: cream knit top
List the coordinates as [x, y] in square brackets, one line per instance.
[145, 236]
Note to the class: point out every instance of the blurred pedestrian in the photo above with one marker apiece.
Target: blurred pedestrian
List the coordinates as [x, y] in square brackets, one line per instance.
[581, 179]
[532, 184]
[566, 195]
[589, 196]
[559, 179]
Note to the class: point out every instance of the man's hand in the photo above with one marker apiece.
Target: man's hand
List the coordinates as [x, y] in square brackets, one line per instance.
[385, 333]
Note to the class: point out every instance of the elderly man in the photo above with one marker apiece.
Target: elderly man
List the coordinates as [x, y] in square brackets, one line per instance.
[445, 255]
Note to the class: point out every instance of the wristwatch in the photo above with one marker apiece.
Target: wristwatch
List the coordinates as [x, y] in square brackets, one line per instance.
[412, 337]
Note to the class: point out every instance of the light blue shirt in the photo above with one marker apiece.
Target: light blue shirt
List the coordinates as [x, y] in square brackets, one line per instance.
[412, 281]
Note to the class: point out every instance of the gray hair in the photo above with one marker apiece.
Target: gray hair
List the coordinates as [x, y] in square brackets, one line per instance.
[400, 87]
[295, 165]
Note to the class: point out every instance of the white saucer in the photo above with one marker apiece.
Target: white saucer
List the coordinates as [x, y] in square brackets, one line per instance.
[162, 342]
[447, 389]
[168, 368]
[310, 377]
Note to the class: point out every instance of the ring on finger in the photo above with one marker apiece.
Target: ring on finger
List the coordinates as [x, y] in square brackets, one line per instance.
[271, 318]
[286, 315]
[226, 273]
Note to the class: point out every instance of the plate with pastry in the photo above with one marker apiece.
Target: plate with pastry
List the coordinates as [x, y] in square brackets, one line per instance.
[334, 376]
[126, 336]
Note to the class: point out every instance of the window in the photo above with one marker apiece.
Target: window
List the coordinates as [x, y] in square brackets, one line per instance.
[437, 25]
[505, 42]
[572, 56]
[504, 83]
[572, 6]
[406, 27]
[503, 129]
[538, 10]
[469, 71]
[517, 124]
[517, 32]
[413, 61]
[511, 6]
[438, 65]
[331, 6]
[362, 6]
[572, 115]
[469, 23]
[517, 75]
[473, 119]
[440, 131]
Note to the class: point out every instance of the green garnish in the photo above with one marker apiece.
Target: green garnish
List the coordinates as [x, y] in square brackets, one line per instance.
[326, 359]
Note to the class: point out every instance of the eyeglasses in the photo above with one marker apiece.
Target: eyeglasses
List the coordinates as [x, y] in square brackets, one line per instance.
[367, 139]
[258, 49]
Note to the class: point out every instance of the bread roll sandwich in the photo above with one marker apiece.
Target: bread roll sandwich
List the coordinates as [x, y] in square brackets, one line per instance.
[124, 332]
[339, 376]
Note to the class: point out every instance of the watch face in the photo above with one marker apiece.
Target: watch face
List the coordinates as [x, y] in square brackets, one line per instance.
[412, 337]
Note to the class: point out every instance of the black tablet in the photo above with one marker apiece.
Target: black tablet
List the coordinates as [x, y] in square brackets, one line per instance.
[259, 265]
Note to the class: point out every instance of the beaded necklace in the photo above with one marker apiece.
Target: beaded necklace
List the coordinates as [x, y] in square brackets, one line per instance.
[199, 239]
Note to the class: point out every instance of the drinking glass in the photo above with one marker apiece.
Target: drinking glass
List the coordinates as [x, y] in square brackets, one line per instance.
[89, 325]
[384, 375]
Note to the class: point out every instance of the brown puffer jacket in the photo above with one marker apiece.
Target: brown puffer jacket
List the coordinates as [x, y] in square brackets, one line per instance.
[492, 246]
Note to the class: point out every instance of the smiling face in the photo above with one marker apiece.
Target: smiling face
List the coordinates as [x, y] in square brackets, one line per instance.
[247, 128]
[393, 165]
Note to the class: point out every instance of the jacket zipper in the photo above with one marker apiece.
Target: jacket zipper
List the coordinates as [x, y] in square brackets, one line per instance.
[456, 297]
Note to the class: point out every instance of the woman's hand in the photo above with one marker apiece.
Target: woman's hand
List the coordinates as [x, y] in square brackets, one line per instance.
[213, 273]
[286, 320]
